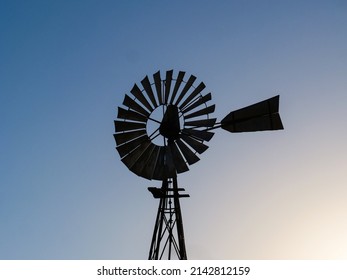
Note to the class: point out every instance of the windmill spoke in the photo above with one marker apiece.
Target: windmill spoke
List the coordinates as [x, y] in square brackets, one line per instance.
[154, 134]
[154, 120]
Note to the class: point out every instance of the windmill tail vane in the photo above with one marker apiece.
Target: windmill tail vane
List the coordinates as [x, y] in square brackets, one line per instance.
[162, 129]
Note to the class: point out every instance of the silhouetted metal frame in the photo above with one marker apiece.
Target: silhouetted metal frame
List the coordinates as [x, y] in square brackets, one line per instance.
[179, 150]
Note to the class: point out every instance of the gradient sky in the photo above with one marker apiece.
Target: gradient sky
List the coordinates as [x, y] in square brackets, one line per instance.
[65, 67]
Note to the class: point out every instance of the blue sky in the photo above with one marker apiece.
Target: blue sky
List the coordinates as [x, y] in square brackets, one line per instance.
[65, 67]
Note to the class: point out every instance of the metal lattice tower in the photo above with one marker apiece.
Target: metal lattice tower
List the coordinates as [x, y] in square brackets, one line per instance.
[168, 235]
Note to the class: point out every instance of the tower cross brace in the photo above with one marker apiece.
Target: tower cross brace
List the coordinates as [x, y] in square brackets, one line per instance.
[168, 235]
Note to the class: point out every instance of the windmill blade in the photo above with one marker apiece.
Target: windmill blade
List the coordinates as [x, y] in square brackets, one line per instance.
[257, 117]
[139, 96]
[178, 159]
[129, 102]
[195, 92]
[177, 85]
[205, 111]
[126, 126]
[195, 144]
[131, 145]
[127, 136]
[168, 81]
[157, 81]
[141, 162]
[148, 170]
[187, 153]
[170, 169]
[130, 115]
[148, 88]
[187, 86]
[130, 159]
[200, 134]
[197, 103]
[201, 123]
[159, 165]
[164, 167]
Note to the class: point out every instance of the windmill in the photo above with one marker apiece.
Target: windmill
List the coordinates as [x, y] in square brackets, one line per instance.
[163, 129]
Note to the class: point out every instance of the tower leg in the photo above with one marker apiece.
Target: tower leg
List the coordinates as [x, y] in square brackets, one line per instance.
[179, 222]
[168, 236]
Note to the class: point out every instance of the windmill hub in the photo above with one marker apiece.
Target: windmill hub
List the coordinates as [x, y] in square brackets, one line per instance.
[170, 125]
[168, 128]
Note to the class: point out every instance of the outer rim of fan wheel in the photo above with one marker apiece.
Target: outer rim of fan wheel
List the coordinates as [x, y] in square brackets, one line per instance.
[186, 145]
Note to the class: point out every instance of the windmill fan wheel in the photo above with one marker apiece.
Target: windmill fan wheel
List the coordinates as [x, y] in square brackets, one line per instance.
[163, 126]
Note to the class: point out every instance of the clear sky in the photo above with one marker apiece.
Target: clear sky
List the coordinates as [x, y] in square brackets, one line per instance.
[65, 67]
